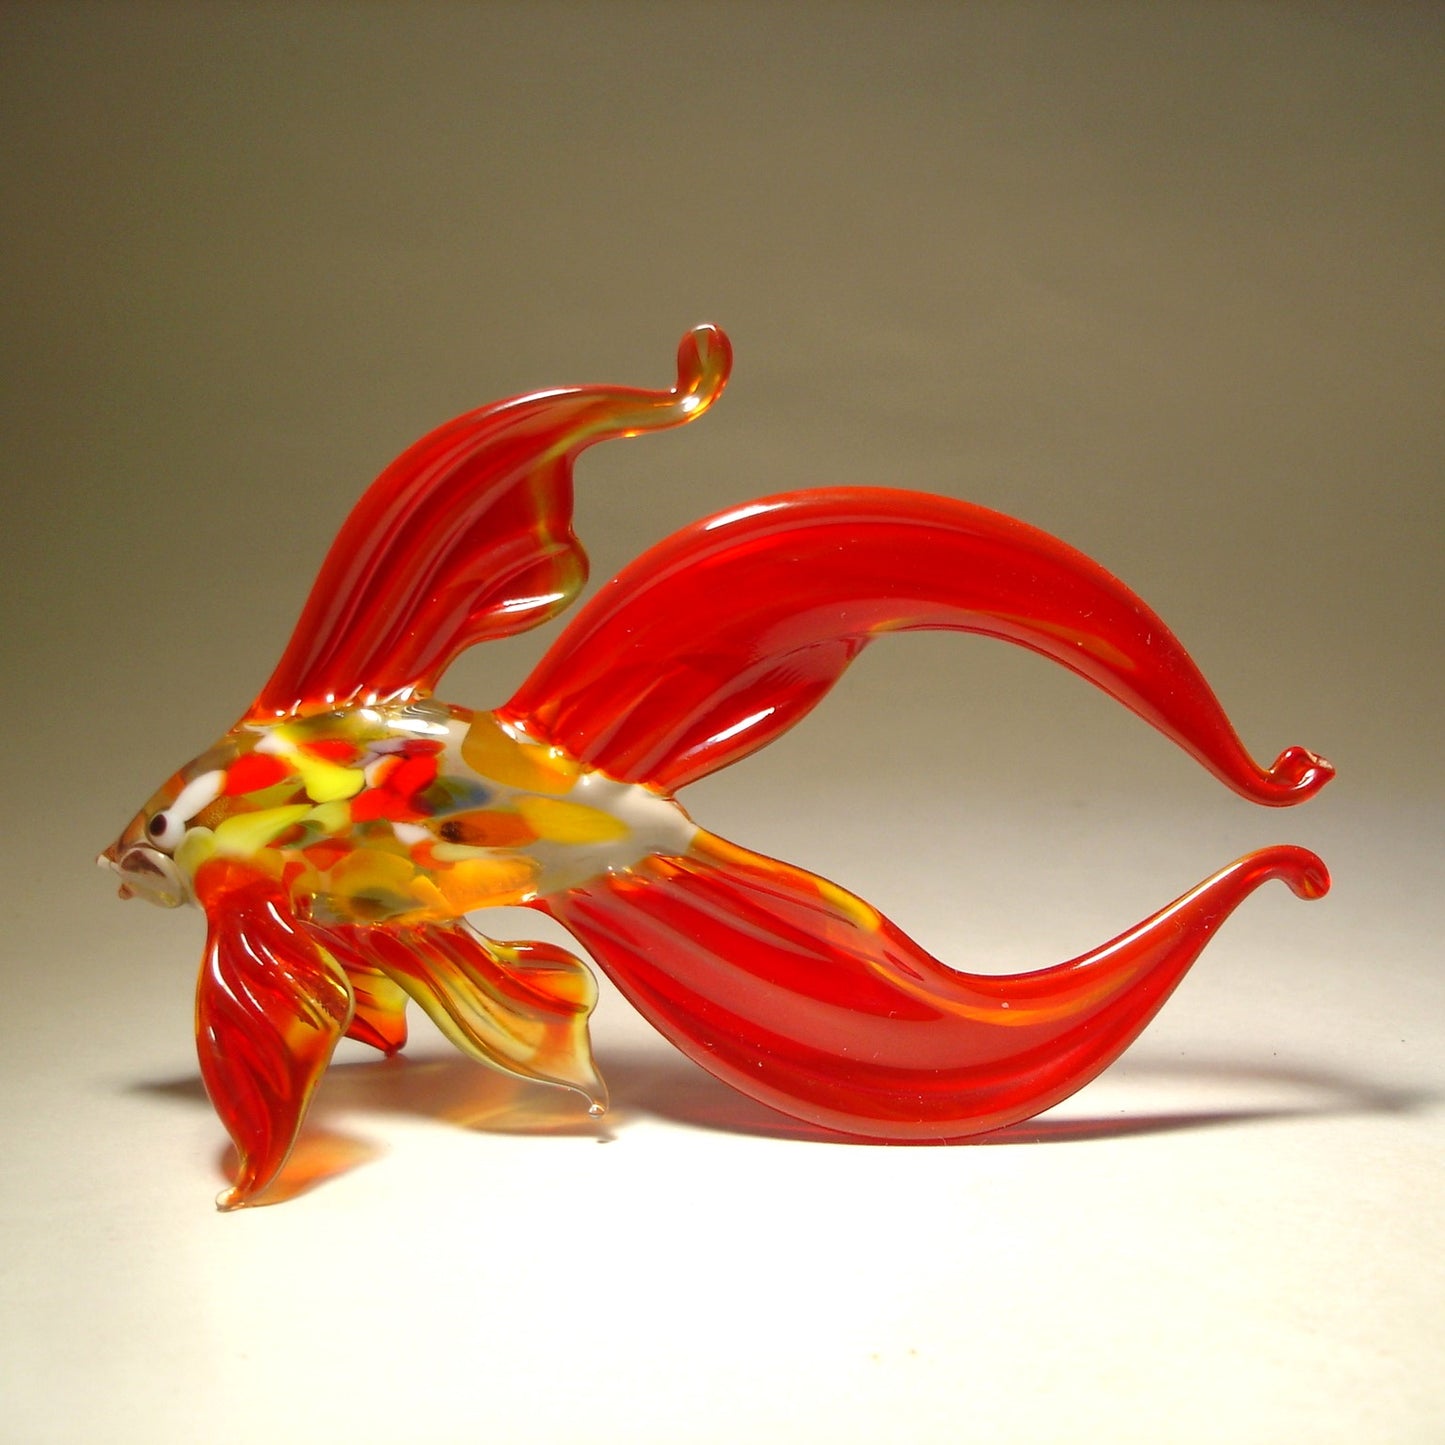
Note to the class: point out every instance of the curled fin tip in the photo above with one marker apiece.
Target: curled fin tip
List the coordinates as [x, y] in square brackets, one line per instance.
[1301, 871]
[230, 1200]
[1304, 872]
[704, 363]
[1297, 775]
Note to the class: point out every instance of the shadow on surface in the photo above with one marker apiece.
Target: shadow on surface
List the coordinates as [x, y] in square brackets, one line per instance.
[453, 1090]
[671, 1087]
[320, 1154]
[665, 1085]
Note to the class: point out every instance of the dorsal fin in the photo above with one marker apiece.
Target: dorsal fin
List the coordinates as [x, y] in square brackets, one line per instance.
[465, 537]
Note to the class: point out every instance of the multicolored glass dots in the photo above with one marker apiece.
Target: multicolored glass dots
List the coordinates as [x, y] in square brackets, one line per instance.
[339, 835]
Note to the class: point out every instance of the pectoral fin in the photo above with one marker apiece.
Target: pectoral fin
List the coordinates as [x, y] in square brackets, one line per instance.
[270, 1007]
[519, 1007]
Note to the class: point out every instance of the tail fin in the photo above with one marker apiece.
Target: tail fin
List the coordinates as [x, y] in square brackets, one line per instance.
[805, 998]
[722, 637]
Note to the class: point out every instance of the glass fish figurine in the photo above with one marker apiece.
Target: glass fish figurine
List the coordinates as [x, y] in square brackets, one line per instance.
[338, 837]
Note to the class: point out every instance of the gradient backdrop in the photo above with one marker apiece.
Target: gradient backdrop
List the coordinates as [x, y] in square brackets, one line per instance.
[1163, 279]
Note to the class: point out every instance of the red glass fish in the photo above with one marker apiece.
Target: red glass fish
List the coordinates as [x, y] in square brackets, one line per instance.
[340, 833]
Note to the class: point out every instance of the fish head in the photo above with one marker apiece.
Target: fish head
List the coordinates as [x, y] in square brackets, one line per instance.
[149, 857]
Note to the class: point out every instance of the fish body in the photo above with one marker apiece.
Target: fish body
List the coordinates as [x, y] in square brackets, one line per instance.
[404, 813]
[340, 837]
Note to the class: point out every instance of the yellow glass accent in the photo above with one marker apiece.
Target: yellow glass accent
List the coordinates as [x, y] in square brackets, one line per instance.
[491, 752]
[561, 822]
[328, 782]
[332, 817]
[434, 902]
[458, 852]
[849, 904]
[247, 833]
[198, 845]
[371, 870]
[731, 856]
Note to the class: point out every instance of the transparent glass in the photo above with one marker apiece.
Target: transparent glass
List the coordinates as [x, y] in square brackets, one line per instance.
[339, 834]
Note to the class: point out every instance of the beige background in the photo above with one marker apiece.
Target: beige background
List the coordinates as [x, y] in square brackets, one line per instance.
[1163, 279]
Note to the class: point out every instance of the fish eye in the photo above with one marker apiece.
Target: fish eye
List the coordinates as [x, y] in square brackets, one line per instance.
[165, 830]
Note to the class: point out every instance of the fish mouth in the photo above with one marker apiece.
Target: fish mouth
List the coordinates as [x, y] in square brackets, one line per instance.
[144, 872]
